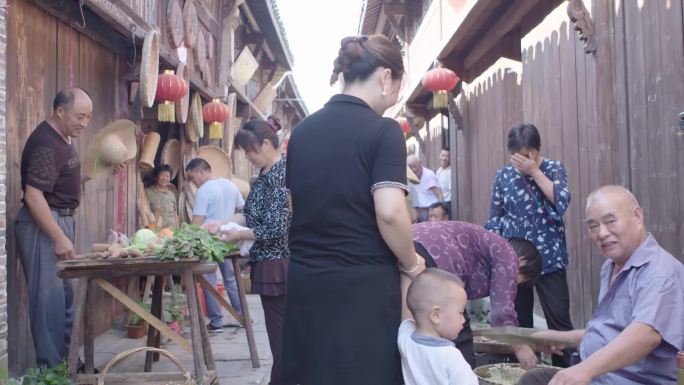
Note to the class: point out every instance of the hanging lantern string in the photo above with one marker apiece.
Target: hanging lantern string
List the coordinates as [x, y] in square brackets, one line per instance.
[135, 48]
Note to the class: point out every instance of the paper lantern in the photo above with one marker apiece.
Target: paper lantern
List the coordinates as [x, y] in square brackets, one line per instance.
[170, 89]
[404, 124]
[215, 113]
[440, 81]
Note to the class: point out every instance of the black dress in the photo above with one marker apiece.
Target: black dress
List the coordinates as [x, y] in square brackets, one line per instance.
[344, 300]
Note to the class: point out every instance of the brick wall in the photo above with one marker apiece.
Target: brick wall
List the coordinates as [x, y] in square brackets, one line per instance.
[3, 181]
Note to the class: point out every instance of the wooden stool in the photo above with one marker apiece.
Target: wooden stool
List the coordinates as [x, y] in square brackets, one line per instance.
[98, 271]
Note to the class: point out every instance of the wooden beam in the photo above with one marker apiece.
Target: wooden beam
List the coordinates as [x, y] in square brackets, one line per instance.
[144, 314]
[220, 299]
[253, 38]
[507, 22]
[395, 26]
[124, 23]
[226, 41]
[207, 18]
[394, 9]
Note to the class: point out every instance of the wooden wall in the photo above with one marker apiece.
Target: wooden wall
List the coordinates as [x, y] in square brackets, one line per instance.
[610, 117]
[489, 105]
[47, 55]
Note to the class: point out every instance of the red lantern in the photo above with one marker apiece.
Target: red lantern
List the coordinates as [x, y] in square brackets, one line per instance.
[404, 124]
[440, 80]
[215, 113]
[170, 88]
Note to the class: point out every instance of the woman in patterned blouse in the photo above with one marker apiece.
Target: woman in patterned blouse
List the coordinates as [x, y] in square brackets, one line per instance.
[529, 198]
[267, 215]
[162, 198]
[489, 267]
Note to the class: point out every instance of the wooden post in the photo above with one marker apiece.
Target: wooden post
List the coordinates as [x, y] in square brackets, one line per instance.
[191, 295]
[89, 332]
[77, 326]
[245, 314]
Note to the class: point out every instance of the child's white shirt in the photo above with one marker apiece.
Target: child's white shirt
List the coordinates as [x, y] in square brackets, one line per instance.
[429, 360]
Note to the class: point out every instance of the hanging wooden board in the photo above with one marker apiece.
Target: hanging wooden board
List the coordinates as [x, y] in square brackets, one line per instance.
[149, 68]
[207, 75]
[265, 97]
[183, 104]
[200, 51]
[174, 23]
[244, 67]
[190, 23]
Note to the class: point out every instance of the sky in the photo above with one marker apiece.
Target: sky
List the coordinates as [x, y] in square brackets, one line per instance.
[314, 29]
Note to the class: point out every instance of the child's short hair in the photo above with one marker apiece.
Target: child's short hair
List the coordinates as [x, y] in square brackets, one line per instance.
[426, 290]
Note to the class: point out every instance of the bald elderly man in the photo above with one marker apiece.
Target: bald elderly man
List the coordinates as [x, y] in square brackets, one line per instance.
[637, 328]
[44, 226]
[427, 191]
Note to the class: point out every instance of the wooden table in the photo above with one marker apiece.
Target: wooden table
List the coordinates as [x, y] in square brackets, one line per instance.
[99, 272]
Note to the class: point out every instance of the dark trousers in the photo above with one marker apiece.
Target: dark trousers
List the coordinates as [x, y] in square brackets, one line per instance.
[552, 290]
[50, 299]
[464, 342]
[274, 315]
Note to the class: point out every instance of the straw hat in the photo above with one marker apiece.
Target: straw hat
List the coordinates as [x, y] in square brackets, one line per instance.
[149, 68]
[242, 185]
[149, 152]
[217, 159]
[112, 145]
[171, 155]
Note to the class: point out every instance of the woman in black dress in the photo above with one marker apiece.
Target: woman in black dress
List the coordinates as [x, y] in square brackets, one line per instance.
[351, 233]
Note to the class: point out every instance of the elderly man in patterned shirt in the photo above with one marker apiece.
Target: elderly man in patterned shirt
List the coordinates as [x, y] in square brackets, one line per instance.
[636, 330]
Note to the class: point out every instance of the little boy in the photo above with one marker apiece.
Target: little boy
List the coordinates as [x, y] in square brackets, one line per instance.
[436, 299]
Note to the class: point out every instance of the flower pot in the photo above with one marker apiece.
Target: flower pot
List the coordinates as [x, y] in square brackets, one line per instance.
[136, 331]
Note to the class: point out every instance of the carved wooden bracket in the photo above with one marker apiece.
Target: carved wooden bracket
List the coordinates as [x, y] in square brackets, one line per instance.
[583, 24]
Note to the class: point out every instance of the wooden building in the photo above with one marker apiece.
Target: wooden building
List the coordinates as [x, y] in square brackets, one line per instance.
[96, 45]
[608, 106]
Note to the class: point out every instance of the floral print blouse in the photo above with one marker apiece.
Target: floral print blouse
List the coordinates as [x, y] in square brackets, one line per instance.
[163, 204]
[484, 261]
[268, 215]
[519, 209]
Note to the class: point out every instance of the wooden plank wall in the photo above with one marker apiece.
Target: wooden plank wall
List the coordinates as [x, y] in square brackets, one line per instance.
[490, 105]
[49, 55]
[611, 117]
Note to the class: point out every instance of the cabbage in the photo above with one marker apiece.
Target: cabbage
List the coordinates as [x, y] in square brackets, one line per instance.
[143, 237]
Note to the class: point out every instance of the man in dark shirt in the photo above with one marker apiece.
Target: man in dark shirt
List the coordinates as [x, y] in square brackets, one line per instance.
[45, 228]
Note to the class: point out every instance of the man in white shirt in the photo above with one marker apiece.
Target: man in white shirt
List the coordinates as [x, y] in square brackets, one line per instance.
[216, 199]
[444, 176]
[425, 193]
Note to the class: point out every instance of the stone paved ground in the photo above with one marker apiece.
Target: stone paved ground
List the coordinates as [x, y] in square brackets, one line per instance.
[230, 349]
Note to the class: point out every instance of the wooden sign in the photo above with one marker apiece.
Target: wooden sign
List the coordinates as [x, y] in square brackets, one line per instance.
[174, 23]
[190, 23]
[244, 68]
[265, 97]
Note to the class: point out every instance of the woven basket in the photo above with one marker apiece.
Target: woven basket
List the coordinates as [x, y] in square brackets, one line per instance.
[188, 378]
[484, 377]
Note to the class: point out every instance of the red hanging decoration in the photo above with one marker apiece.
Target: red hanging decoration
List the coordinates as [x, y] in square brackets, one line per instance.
[170, 89]
[440, 81]
[404, 124]
[215, 113]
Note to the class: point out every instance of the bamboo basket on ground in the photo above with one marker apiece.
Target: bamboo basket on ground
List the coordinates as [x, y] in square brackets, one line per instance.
[187, 378]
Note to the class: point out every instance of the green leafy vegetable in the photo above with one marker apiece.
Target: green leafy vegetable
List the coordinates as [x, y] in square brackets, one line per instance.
[190, 241]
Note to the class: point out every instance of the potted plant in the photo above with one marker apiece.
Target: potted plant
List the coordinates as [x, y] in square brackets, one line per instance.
[137, 327]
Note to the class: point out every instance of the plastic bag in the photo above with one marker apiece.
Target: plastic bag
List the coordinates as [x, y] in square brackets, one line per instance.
[118, 238]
